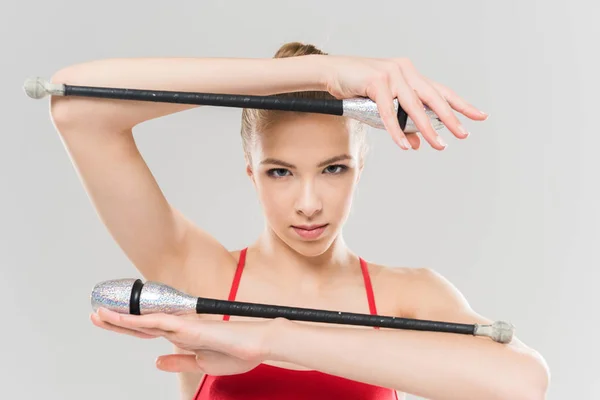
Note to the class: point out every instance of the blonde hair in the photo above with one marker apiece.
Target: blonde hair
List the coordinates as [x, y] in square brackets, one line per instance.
[255, 121]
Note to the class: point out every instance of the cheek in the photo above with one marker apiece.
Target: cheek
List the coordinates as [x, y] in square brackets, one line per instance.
[339, 196]
[276, 201]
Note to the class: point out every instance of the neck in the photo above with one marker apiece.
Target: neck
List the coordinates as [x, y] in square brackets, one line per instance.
[285, 264]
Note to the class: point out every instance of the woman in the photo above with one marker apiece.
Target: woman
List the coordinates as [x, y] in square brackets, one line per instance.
[305, 168]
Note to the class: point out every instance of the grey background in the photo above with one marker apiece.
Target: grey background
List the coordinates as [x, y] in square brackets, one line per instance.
[509, 216]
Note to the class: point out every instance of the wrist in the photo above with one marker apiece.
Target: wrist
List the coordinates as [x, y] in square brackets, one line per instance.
[321, 73]
[302, 73]
[277, 333]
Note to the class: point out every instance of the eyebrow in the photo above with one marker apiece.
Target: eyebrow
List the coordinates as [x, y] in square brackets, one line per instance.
[322, 164]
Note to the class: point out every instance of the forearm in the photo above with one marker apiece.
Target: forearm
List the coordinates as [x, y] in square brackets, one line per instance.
[260, 76]
[433, 365]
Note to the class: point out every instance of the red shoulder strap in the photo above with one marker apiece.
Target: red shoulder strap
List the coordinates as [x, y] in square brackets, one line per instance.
[368, 287]
[236, 279]
[242, 261]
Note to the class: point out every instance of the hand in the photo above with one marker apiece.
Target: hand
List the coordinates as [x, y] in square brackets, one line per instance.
[220, 347]
[383, 80]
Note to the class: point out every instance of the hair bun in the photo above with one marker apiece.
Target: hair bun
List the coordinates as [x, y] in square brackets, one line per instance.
[295, 49]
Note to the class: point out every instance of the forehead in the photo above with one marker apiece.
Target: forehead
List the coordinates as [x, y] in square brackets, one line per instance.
[306, 137]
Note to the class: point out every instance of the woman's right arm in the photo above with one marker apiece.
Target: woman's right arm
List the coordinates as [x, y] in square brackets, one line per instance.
[97, 134]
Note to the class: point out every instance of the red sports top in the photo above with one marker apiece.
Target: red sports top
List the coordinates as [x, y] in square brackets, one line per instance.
[268, 382]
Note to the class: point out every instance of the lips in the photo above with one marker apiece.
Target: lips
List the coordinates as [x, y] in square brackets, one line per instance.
[309, 231]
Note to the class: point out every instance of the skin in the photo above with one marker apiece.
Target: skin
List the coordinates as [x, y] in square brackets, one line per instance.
[305, 170]
[296, 184]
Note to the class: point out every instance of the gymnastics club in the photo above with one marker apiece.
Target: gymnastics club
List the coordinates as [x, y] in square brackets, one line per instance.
[131, 296]
[361, 109]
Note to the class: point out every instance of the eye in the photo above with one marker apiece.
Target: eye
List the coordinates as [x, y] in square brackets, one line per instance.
[278, 172]
[335, 169]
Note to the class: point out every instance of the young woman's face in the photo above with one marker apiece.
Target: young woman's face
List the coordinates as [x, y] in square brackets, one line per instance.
[305, 169]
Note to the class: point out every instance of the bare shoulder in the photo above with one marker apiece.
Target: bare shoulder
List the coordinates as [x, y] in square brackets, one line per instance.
[421, 292]
[393, 289]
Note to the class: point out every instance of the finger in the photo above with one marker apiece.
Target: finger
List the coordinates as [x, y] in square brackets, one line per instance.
[105, 325]
[178, 363]
[412, 104]
[414, 139]
[384, 99]
[458, 103]
[139, 332]
[430, 96]
[161, 324]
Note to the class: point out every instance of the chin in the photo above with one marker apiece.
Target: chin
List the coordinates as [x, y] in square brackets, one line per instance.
[310, 249]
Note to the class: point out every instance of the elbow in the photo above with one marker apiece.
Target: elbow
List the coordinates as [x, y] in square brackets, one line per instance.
[62, 108]
[71, 113]
[535, 387]
[538, 391]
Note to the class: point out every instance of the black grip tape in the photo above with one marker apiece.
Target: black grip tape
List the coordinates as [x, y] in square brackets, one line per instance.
[222, 307]
[321, 106]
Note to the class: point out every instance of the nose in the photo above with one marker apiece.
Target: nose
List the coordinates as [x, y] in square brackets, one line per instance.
[309, 201]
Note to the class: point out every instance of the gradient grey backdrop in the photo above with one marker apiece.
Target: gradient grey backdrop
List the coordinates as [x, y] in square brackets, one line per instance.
[509, 216]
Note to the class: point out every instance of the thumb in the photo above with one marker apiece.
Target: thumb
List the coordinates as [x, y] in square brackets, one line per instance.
[178, 363]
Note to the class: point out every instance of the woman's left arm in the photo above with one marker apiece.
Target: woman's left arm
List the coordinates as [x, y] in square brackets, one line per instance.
[433, 365]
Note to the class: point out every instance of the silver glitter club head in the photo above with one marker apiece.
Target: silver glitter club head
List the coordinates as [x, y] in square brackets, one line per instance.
[366, 111]
[131, 296]
[114, 295]
[159, 298]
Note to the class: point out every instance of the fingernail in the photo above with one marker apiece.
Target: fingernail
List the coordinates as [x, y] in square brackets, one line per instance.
[463, 131]
[441, 141]
[486, 115]
[406, 143]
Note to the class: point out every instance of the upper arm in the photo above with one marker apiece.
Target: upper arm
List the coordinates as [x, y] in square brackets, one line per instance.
[154, 236]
